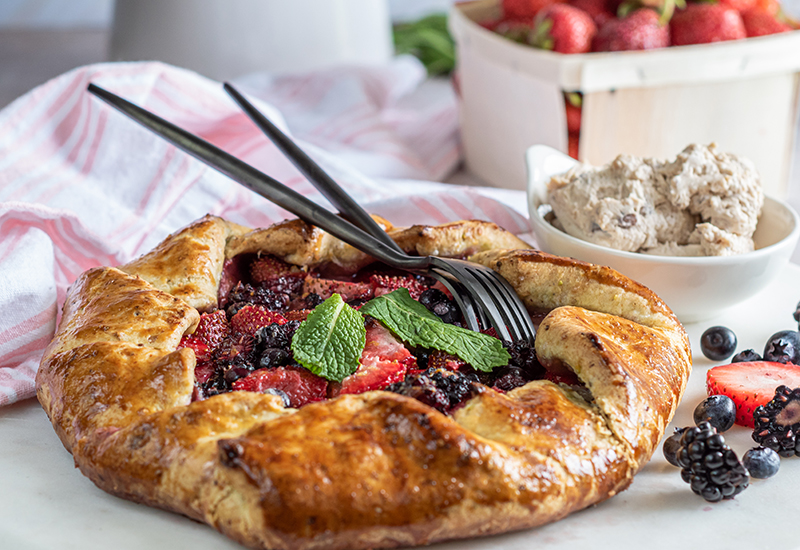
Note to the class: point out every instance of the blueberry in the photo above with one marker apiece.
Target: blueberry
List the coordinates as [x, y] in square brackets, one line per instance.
[783, 347]
[671, 446]
[717, 410]
[761, 462]
[746, 355]
[717, 343]
[235, 373]
[274, 357]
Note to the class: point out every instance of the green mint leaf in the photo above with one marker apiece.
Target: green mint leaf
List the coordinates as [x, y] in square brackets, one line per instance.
[413, 323]
[330, 341]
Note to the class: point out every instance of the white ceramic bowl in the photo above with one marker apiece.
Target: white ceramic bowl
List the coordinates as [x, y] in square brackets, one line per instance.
[695, 288]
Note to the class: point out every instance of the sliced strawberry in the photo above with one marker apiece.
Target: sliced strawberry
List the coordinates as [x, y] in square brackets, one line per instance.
[299, 384]
[252, 317]
[200, 348]
[384, 361]
[267, 267]
[567, 377]
[384, 284]
[326, 288]
[297, 314]
[231, 276]
[750, 384]
[439, 359]
[213, 328]
[203, 371]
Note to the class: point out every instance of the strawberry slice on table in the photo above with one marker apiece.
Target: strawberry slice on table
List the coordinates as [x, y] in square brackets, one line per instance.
[751, 384]
[299, 384]
[252, 317]
[384, 284]
[385, 360]
[326, 288]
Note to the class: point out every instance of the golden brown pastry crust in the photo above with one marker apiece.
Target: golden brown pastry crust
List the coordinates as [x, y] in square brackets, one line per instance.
[370, 470]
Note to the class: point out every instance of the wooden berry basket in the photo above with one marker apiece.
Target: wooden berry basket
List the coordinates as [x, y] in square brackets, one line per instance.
[743, 95]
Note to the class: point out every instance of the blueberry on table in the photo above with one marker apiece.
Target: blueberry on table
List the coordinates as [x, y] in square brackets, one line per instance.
[717, 410]
[717, 343]
[783, 347]
[746, 356]
[761, 462]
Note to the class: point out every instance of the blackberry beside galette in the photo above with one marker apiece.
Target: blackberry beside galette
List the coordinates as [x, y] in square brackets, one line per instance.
[292, 393]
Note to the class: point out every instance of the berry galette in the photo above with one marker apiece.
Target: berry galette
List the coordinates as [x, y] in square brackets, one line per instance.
[287, 390]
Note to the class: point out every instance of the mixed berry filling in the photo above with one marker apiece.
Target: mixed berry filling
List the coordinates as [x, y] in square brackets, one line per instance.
[246, 344]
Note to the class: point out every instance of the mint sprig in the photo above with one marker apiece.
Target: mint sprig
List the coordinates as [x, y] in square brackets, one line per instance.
[413, 323]
[330, 341]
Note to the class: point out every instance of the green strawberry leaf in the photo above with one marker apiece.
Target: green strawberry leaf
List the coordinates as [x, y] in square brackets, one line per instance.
[330, 341]
[413, 323]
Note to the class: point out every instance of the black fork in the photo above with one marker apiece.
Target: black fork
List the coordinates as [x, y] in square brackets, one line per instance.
[480, 291]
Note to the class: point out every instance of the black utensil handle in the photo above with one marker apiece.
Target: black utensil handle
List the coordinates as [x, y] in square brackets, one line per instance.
[262, 184]
[338, 197]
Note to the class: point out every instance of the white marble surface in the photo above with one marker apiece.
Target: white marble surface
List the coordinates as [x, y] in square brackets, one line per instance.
[45, 503]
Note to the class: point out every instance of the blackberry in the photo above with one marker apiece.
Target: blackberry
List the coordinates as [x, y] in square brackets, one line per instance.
[717, 343]
[289, 285]
[761, 462]
[777, 422]
[717, 410]
[671, 446]
[275, 336]
[216, 384]
[440, 305]
[422, 356]
[438, 388]
[274, 357]
[783, 347]
[510, 377]
[746, 355]
[313, 300]
[230, 355]
[243, 294]
[709, 466]
[523, 355]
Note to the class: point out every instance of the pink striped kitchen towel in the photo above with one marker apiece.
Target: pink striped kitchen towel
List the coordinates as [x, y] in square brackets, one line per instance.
[81, 185]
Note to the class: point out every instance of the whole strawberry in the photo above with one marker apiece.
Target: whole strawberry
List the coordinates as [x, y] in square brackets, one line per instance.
[738, 5]
[760, 22]
[525, 9]
[705, 23]
[597, 9]
[641, 30]
[564, 29]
